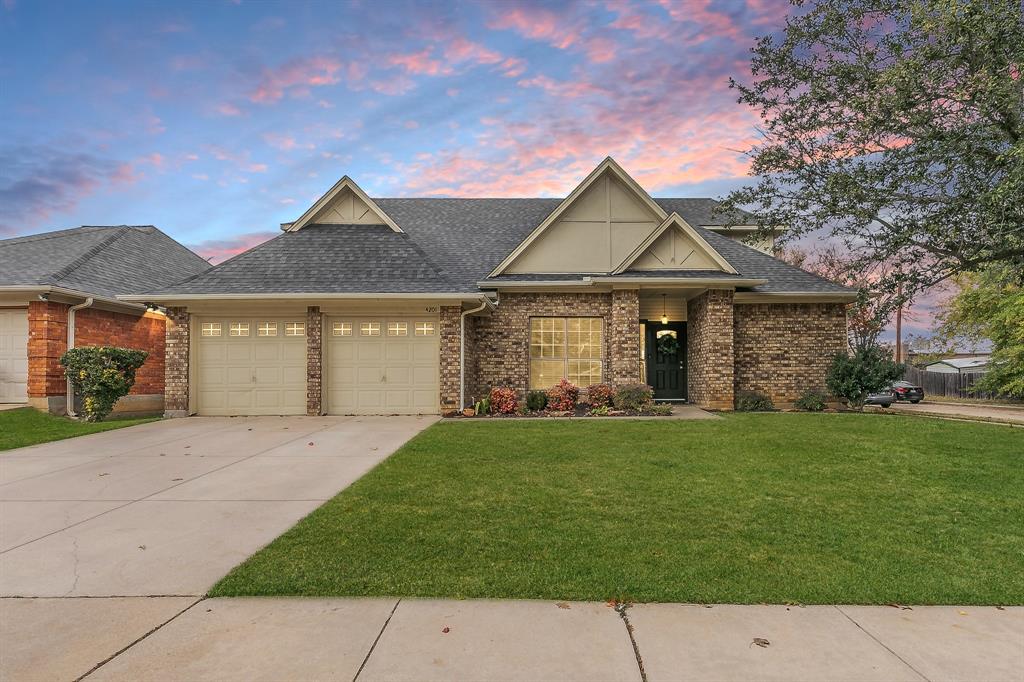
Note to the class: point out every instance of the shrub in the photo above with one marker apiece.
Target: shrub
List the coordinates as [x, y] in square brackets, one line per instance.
[101, 375]
[854, 377]
[563, 396]
[504, 400]
[811, 400]
[482, 407]
[661, 410]
[753, 401]
[536, 400]
[599, 395]
[633, 397]
[599, 411]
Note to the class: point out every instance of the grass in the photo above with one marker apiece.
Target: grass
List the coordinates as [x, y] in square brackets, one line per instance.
[28, 426]
[779, 508]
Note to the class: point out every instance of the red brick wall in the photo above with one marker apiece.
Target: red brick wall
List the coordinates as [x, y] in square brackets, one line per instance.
[709, 349]
[48, 332]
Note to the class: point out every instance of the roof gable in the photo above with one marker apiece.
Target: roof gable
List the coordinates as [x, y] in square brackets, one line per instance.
[344, 204]
[601, 220]
[675, 245]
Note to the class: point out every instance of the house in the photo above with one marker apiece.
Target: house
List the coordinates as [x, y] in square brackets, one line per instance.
[369, 305]
[971, 364]
[59, 290]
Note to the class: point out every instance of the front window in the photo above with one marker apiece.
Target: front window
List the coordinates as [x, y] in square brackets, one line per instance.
[565, 348]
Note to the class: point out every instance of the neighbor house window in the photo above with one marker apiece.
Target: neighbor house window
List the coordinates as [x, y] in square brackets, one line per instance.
[369, 328]
[342, 329]
[565, 348]
[239, 329]
[211, 329]
[424, 329]
[398, 328]
[295, 329]
[266, 329]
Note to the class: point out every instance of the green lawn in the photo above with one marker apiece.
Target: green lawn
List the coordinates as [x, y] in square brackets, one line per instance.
[751, 508]
[28, 426]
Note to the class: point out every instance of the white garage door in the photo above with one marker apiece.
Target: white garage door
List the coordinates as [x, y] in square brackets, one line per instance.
[251, 366]
[13, 356]
[381, 365]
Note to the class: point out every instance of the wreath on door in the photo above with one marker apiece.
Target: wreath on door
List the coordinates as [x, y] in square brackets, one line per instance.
[668, 344]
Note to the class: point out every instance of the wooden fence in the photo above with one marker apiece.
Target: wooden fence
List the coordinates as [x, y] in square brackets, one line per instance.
[949, 385]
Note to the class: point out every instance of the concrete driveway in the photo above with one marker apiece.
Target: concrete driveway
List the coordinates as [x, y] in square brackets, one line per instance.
[158, 510]
[975, 411]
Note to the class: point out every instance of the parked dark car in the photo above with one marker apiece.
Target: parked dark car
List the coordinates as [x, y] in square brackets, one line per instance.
[904, 390]
[883, 398]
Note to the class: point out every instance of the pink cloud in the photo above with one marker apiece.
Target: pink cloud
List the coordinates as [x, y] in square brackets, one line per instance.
[420, 63]
[411, 125]
[255, 168]
[537, 23]
[299, 75]
[228, 109]
[219, 250]
[461, 50]
[285, 142]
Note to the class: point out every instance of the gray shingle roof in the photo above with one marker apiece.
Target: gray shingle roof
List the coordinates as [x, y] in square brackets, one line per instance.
[98, 260]
[448, 246]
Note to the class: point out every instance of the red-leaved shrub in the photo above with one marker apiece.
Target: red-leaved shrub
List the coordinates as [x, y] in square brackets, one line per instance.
[599, 395]
[562, 397]
[504, 400]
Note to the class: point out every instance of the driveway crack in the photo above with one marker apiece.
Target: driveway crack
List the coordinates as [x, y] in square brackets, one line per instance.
[377, 639]
[621, 609]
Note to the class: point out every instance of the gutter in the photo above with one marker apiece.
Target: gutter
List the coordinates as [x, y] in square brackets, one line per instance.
[148, 298]
[70, 395]
[588, 281]
[462, 350]
[72, 293]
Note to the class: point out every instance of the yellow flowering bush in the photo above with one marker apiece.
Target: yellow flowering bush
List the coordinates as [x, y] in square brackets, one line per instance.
[101, 375]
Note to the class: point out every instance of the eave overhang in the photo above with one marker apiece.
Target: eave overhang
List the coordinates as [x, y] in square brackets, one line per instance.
[72, 296]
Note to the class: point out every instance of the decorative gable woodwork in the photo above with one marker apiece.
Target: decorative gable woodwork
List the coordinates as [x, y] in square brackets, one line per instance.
[674, 245]
[343, 204]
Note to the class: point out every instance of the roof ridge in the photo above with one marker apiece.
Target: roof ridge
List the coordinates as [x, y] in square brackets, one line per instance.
[89, 253]
[55, 234]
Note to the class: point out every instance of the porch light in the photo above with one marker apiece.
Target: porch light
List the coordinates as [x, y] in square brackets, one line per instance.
[664, 310]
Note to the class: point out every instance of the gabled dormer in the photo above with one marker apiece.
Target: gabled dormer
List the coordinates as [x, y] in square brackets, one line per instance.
[344, 204]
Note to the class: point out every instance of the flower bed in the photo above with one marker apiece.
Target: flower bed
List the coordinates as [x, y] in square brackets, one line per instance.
[565, 400]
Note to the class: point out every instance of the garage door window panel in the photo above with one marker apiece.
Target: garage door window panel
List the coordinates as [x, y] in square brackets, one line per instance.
[267, 329]
[295, 329]
[239, 329]
[210, 329]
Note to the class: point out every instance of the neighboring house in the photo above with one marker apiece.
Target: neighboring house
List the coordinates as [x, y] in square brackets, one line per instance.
[421, 305]
[61, 288]
[975, 364]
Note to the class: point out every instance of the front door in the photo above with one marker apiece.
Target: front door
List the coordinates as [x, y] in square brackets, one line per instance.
[665, 357]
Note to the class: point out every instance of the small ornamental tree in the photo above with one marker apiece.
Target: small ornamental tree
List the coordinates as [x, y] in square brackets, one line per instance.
[101, 375]
[854, 377]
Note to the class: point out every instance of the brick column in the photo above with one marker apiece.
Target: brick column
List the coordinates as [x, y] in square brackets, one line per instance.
[314, 366]
[624, 338]
[450, 357]
[47, 341]
[709, 349]
[176, 361]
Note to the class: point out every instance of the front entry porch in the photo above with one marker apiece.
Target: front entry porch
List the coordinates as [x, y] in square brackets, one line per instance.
[663, 358]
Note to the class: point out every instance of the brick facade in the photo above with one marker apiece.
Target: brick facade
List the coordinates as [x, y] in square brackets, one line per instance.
[709, 349]
[624, 339]
[176, 358]
[47, 341]
[784, 349]
[314, 361]
[94, 327]
[450, 335]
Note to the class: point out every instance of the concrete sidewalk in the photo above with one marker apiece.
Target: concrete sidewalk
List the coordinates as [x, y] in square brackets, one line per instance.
[389, 639]
[990, 413]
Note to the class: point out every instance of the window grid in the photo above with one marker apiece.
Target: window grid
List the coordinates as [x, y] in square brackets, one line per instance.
[342, 329]
[398, 329]
[424, 329]
[369, 329]
[295, 329]
[211, 329]
[569, 348]
[239, 329]
[266, 329]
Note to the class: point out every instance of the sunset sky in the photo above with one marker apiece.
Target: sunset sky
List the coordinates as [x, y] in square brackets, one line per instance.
[218, 120]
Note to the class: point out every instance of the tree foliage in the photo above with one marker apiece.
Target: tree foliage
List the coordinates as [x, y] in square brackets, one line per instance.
[897, 128]
[101, 375]
[853, 377]
[990, 305]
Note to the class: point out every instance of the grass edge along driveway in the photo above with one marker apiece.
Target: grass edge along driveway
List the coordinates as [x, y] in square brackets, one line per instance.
[26, 426]
[775, 508]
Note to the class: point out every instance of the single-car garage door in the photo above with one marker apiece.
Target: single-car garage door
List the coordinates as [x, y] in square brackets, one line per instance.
[13, 355]
[251, 366]
[381, 365]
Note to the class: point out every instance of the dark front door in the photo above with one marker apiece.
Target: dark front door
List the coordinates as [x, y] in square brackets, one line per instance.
[666, 359]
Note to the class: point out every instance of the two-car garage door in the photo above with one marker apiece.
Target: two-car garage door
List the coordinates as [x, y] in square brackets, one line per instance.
[370, 365]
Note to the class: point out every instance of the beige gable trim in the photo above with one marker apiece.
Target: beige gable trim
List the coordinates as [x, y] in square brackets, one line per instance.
[346, 183]
[675, 221]
[607, 166]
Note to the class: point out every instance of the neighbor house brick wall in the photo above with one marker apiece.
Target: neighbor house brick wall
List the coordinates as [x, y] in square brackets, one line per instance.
[623, 338]
[94, 327]
[784, 349]
[47, 341]
[314, 360]
[709, 349]
[450, 358]
[176, 357]
[502, 339]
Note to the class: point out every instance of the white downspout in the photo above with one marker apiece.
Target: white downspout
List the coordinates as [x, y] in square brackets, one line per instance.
[71, 344]
[462, 353]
